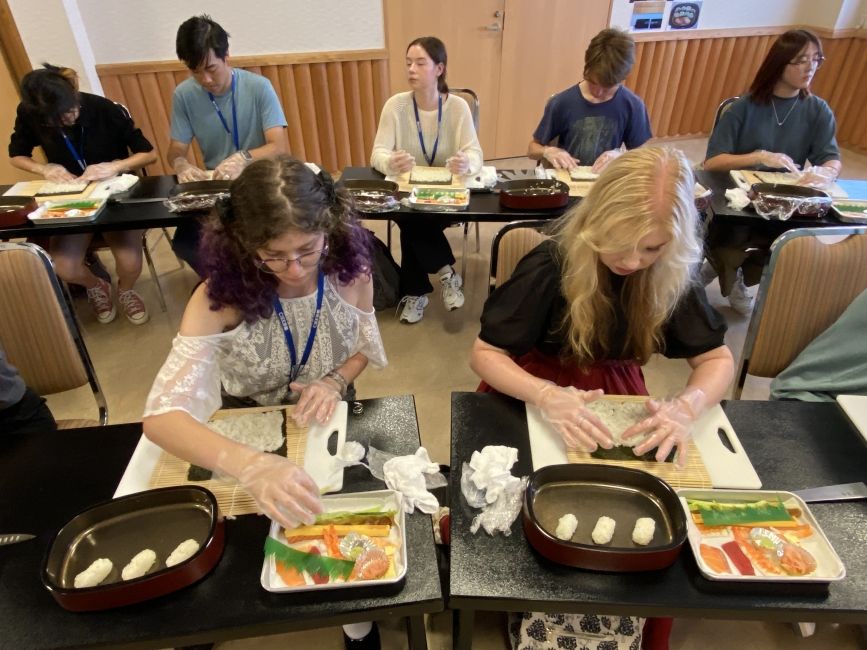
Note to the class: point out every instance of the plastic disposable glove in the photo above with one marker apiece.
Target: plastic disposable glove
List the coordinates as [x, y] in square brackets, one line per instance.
[100, 171]
[187, 172]
[230, 168]
[283, 491]
[317, 402]
[400, 161]
[669, 425]
[776, 160]
[566, 410]
[604, 158]
[459, 164]
[56, 173]
[819, 177]
[559, 158]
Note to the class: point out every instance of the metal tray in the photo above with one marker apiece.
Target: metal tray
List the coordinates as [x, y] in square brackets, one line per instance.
[387, 499]
[197, 196]
[118, 529]
[387, 191]
[37, 216]
[591, 491]
[14, 210]
[829, 567]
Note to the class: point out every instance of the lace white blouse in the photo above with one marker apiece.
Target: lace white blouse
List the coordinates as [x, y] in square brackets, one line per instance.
[252, 360]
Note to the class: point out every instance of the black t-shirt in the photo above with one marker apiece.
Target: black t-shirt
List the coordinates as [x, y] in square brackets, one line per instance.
[102, 133]
[526, 312]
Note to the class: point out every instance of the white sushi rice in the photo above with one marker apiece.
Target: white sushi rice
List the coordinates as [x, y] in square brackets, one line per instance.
[184, 551]
[94, 574]
[263, 431]
[435, 175]
[604, 530]
[583, 173]
[618, 417]
[566, 527]
[642, 534]
[139, 565]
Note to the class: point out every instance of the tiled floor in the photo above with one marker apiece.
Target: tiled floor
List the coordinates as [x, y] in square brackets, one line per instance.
[428, 360]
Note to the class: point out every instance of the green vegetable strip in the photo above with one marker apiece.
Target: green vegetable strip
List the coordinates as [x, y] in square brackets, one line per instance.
[353, 517]
[732, 514]
[310, 562]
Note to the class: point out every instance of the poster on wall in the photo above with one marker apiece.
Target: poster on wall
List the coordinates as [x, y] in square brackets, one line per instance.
[647, 16]
[684, 15]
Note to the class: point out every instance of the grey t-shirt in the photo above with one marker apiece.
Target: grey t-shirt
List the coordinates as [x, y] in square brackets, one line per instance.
[807, 133]
[11, 384]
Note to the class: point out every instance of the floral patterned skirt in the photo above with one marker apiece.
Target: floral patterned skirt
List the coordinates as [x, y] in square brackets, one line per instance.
[540, 631]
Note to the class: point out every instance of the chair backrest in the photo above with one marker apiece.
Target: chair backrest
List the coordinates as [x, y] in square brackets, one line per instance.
[722, 108]
[38, 329]
[472, 100]
[808, 282]
[510, 244]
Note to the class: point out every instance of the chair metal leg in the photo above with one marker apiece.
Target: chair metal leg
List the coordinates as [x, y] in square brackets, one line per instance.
[154, 276]
[478, 244]
[169, 240]
[388, 234]
[464, 255]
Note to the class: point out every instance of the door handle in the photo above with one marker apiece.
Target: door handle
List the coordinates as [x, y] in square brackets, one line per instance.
[493, 27]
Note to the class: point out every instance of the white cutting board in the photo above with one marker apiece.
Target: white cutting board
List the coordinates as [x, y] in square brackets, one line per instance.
[726, 469]
[320, 464]
[855, 406]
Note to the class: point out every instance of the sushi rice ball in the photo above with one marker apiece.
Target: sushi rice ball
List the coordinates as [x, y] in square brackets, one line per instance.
[139, 565]
[184, 551]
[604, 530]
[566, 527]
[642, 534]
[94, 574]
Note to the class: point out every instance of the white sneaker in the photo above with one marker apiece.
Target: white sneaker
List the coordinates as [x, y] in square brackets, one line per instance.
[413, 308]
[740, 298]
[708, 274]
[453, 297]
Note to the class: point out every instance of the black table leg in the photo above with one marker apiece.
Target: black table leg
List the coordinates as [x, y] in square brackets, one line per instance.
[415, 632]
[463, 621]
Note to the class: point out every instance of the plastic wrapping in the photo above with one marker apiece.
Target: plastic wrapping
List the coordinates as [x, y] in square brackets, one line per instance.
[193, 202]
[500, 515]
[487, 483]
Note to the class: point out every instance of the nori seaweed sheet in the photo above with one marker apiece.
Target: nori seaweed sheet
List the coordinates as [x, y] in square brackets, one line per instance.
[197, 473]
[623, 452]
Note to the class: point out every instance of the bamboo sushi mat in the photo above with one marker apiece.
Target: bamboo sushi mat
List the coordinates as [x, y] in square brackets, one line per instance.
[694, 475]
[403, 184]
[233, 500]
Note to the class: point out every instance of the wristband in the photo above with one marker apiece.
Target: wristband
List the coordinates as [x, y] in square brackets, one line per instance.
[337, 378]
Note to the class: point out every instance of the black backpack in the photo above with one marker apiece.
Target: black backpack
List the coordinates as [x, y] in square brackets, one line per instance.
[386, 275]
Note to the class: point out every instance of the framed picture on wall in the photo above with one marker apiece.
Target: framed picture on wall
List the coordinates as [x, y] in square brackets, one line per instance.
[684, 15]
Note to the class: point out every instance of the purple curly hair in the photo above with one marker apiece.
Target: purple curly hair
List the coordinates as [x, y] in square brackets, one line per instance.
[268, 199]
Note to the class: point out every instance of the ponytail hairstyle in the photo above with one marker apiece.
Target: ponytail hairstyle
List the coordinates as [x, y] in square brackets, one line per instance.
[436, 50]
[268, 199]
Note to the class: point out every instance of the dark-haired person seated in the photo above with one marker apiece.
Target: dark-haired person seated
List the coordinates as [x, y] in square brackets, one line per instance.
[593, 121]
[234, 115]
[779, 125]
[89, 138]
[21, 410]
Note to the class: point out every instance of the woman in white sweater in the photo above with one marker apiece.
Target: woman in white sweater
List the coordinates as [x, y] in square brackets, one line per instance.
[426, 126]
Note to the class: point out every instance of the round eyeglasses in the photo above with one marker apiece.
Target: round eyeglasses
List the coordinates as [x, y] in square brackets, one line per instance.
[282, 264]
[817, 60]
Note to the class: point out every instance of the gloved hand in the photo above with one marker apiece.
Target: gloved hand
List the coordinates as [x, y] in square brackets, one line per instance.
[819, 177]
[230, 168]
[56, 173]
[459, 164]
[284, 491]
[318, 401]
[101, 171]
[566, 410]
[559, 158]
[400, 161]
[776, 160]
[187, 172]
[669, 425]
[604, 158]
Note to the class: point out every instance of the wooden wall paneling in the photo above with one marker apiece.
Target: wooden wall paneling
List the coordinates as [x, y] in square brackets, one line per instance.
[324, 116]
[292, 110]
[673, 104]
[370, 108]
[682, 111]
[138, 106]
[339, 119]
[853, 66]
[825, 83]
[307, 112]
[653, 84]
[852, 131]
[160, 120]
[859, 138]
[253, 68]
[708, 93]
[355, 119]
[695, 105]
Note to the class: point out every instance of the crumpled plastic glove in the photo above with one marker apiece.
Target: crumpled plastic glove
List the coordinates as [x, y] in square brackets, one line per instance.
[100, 171]
[57, 173]
[317, 401]
[400, 161]
[283, 491]
[187, 172]
[459, 164]
[230, 168]
[492, 470]
[559, 158]
[669, 425]
[604, 158]
[406, 474]
[819, 177]
[776, 160]
[565, 408]
[500, 515]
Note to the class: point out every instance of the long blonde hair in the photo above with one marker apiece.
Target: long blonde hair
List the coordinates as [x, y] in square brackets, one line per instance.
[640, 191]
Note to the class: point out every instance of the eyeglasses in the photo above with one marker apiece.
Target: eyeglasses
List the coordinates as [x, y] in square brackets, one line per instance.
[282, 264]
[817, 60]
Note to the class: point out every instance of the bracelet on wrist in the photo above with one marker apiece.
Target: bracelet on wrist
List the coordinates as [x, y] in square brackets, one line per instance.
[338, 379]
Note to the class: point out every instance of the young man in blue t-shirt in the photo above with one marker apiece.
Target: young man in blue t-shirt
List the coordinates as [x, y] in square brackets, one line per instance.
[594, 120]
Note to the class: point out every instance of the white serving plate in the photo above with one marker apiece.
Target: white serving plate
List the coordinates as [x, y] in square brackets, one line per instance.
[386, 499]
[829, 568]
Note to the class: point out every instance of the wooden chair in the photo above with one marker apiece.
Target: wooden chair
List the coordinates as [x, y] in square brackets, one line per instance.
[38, 328]
[805, 287]
[510, 244]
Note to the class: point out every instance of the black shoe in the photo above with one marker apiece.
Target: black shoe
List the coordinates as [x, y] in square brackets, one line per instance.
[369, 642]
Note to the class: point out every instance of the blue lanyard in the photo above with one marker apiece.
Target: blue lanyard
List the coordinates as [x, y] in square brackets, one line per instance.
[421, 137]
[296, 368]
[234, 131]
[79, 157]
